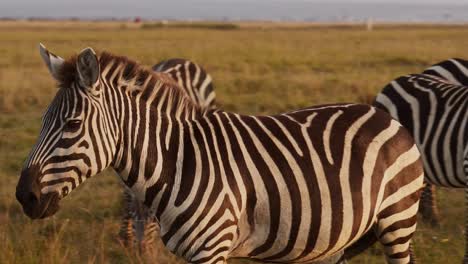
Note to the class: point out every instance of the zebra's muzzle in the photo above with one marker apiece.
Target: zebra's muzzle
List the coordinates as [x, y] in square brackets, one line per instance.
[37, 208]
[35, 205]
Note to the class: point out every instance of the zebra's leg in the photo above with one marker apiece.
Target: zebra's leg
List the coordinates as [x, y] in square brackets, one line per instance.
[412, 255]
[395, 227]
[126, 232]
[139, 228]
[145, 227]
[428, 206]
[397, 247]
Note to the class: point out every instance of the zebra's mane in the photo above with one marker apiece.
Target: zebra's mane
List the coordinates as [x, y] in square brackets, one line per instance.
[131, 72]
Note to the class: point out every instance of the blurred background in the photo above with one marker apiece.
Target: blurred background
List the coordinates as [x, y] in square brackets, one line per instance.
[264, 57]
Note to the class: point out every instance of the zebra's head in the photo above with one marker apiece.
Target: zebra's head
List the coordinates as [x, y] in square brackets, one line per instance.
[75, 141]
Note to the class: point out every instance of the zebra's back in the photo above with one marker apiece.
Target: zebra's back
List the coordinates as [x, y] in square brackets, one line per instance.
[453, 70]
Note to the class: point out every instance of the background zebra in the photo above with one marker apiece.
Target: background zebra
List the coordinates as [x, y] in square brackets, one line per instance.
[455, 71]
[139, 227]
[194, 80]
[274, 188]
[435, 111]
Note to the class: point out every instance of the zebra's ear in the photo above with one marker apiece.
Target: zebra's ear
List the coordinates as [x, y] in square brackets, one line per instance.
[53, 62]
[87, 65]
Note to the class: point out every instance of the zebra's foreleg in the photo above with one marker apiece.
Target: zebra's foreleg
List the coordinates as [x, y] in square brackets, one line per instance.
[428, 205]
[412, 255]
[126, 233]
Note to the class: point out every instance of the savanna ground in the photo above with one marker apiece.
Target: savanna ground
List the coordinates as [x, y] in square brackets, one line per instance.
[257, 69]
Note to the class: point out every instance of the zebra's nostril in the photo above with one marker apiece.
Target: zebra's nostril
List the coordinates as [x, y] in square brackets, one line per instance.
[28, 189]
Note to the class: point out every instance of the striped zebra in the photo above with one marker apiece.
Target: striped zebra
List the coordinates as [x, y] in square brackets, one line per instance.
[455, 71]
[435, 111]
[139, 227]
[194, 80]
[294, 187]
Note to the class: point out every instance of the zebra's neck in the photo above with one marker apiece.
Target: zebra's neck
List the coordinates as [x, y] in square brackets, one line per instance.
[152, 115]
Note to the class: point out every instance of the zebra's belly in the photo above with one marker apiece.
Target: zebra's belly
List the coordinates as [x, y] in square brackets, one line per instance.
[297, 254]
[312, 242]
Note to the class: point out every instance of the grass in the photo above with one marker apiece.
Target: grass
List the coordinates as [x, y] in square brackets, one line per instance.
[256, 70]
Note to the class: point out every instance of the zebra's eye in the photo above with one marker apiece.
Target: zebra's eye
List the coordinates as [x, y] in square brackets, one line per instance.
[72, 125]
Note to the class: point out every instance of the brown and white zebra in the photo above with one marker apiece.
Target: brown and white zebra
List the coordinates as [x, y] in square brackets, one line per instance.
[435, 111]
[293, 187]
[139, 227]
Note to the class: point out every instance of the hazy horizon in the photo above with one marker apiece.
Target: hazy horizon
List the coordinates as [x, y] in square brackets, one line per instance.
[292, 10]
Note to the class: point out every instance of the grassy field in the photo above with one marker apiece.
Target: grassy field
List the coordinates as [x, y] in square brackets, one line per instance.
[256, 69]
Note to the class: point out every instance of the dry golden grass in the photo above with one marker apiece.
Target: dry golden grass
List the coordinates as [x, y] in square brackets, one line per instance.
[256, 70]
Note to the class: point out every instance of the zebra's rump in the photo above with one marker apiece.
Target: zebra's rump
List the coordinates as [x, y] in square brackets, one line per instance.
[435, 111]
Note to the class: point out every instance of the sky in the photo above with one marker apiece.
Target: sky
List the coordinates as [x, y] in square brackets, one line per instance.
[27, 2]
[310, 10]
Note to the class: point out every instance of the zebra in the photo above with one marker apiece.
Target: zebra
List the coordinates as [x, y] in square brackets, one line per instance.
[194, 80]
[454, 70]
[435, 111]
[139, 227]
[294, 187]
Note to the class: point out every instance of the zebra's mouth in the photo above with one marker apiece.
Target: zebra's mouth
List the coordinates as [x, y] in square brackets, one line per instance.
[47, 205]
[50, 205]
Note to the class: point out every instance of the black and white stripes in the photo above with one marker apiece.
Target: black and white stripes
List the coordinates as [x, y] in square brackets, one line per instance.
[294, 187]
[194, 80]
[453, 70]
